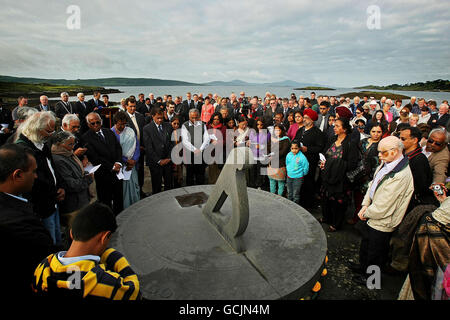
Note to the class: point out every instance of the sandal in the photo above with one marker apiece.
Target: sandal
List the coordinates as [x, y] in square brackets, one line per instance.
[321, 220]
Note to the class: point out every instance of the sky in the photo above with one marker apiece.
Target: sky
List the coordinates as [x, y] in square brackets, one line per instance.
[342, 43]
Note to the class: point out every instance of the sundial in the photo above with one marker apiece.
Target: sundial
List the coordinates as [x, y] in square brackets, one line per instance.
[222, 241]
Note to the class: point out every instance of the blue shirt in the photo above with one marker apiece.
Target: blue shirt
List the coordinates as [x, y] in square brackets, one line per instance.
[297, 166]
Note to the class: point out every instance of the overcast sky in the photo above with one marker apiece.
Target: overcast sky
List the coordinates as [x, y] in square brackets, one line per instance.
[320, 41]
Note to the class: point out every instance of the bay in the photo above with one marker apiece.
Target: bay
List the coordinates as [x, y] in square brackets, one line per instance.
[250, 91]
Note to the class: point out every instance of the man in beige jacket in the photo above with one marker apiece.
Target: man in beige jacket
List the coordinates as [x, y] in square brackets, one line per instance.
[384, 205]
[438, 155]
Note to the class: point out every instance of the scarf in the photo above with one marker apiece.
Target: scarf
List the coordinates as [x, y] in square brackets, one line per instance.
[59, 150]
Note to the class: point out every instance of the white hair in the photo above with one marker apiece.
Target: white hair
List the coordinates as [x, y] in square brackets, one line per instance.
[79, 94]
[94, 113]
[64, 94]
[68, 118]
[440, 131]
[34, 124]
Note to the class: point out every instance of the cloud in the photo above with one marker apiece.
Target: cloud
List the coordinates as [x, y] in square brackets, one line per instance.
[252, 40]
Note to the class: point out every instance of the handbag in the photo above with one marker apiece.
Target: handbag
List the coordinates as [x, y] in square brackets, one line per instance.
[357, 173]
[276, 173]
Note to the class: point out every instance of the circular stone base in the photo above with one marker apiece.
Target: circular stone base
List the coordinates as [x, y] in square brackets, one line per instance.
[178, 254]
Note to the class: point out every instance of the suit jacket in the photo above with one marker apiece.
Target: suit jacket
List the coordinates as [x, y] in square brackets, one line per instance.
[102, 152]
[439, 165]
[21, 231]
[41, 108]
[143, 108]
[82, 110]
[319, 121]
[199, 105]
[188, 105]
[61, 109]
[92, 105]
[442, 121]
[74, 182]
[140, 119]
[157, 146]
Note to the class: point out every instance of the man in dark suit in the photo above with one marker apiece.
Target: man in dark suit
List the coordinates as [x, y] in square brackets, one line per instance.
[103, 148]
[21, 230]
[442, 117]
[273, 109]
[82, 109]
[136, 121]
[144, 109]
[43, 106]
[197, 104]
[95, 104]
[64, 106]
[322, 120]
[140, 103]
[158, 146]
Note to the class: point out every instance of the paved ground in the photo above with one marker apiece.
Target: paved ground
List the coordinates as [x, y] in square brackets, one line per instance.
[343, 246]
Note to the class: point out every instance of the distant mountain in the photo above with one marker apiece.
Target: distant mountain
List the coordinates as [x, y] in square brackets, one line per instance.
[111, 82]
[228, 83]
[124, 82]
[285, 83]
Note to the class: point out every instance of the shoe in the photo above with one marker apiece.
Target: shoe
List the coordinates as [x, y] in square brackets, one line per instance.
[332, 229]
[360, 280]
[321, 220]
[356, 268]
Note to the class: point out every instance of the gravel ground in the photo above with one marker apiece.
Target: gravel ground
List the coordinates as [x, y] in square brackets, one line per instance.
[343, 247]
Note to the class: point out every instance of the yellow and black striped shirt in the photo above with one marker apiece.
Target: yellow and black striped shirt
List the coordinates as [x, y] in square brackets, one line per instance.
[112, 278]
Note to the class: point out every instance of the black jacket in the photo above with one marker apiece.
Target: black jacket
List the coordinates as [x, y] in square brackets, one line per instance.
[314, 140]
[102, 152]
[157, 146]
[423, 179]
[74, 182]
[44, 192]
[24, 242]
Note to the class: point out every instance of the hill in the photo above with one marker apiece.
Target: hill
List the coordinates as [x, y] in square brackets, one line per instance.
[436, 85]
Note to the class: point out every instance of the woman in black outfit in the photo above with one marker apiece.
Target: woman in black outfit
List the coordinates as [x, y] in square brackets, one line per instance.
[341, 157]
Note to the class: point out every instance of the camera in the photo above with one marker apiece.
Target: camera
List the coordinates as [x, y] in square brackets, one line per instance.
[438, 189]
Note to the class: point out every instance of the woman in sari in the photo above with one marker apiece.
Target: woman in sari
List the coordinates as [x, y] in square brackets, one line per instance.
[130, 155]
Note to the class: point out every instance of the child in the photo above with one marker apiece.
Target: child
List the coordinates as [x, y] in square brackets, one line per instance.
[88, 269]
[297, 167]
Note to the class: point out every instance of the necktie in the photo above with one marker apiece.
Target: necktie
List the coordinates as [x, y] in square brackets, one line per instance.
[160, 130]
[101, 136]
[138, 134]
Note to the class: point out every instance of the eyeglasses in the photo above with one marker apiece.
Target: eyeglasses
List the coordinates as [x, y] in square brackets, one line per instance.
[95, 123]
[439, 144]
[385, 151]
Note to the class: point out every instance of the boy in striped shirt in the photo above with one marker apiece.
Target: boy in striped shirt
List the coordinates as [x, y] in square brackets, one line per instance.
[88, 269]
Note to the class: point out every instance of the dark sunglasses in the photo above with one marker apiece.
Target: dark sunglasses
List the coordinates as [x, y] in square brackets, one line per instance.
[95, 123]
[439, 144]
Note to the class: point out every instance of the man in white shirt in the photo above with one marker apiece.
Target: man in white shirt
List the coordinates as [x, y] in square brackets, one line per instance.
[195, 139]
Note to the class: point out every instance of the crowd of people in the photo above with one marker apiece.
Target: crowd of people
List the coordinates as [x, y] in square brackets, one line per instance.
[67, 170]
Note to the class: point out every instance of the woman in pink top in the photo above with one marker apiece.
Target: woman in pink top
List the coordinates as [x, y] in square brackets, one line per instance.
[388, 115]
[298, 118]
[207, 110]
